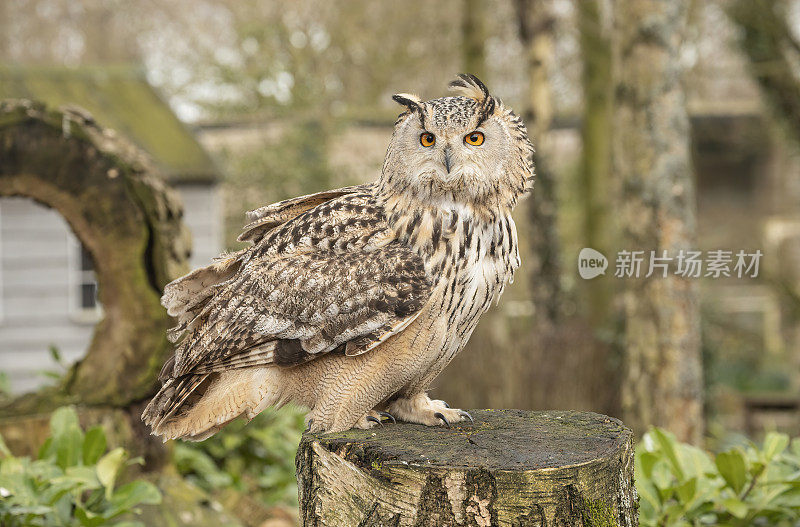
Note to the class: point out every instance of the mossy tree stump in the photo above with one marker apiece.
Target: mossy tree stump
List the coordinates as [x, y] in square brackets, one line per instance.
[510, 468]
[113, 198]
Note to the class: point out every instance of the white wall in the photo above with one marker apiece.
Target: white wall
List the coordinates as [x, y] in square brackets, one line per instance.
[203, 215]
[37, 281]
[35, 293]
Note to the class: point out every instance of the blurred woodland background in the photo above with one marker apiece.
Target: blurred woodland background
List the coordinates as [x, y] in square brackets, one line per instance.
[658, 126]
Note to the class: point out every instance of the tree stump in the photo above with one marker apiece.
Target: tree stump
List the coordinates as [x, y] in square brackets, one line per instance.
[510, 468]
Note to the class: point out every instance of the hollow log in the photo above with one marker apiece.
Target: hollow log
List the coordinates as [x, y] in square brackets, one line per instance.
[114, 200]
[508, 468]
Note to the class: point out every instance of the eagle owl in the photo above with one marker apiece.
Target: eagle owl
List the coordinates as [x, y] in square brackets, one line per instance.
[351, 301]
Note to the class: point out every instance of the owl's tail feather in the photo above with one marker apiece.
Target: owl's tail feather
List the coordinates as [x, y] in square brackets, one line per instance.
[194, 407]
[188, 297]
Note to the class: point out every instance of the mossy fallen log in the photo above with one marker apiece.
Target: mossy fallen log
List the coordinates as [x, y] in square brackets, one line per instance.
[508, 468]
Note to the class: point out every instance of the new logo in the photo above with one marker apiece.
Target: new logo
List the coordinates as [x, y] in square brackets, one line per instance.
[591, 263]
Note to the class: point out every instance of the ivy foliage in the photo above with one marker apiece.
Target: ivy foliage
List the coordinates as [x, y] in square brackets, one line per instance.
[72, 482]
[681, 485]
[255, 458]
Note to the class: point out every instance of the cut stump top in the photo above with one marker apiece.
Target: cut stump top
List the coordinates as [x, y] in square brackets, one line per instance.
[515, 440]
[511, 468]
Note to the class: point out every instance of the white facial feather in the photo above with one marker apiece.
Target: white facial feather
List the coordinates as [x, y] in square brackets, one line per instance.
[492, 174]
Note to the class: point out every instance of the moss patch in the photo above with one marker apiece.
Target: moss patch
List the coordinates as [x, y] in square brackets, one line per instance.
[597, 513]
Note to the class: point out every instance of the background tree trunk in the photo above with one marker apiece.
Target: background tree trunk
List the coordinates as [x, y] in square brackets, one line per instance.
[510, 468]
[473, 33]
[600, 348]
[596, 133]
[773, 52]
[663, 384]
[121, 211]
[536, 27]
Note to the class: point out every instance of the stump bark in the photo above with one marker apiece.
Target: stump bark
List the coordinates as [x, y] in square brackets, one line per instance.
[510, 468]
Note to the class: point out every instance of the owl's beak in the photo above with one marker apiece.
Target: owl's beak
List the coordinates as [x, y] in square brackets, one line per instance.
[448, 152]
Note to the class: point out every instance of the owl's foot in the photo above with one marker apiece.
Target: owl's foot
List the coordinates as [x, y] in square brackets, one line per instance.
[462, 413]
[373, 419]
[388, 416]
[422, 409]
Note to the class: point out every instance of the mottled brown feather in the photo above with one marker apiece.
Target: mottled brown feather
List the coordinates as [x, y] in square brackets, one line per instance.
[264, 219]
[330, 274]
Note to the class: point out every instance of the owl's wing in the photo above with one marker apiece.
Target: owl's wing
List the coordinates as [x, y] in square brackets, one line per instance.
[186, 297]
[289, 309]
[331, 277]
[264, 219]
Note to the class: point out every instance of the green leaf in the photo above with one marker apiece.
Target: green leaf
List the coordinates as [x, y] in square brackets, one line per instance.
[789, 497]
[67, 438]
[795, 447]
[732, 468]
[55, 354]
[774, 444]
[735, 506]
[89, 518]
[37, 510]
[687, 491]
[5, 384]
[650, 501]
[4, 450]
[694, 461]
[756, 467]
[63, 419]
[135, 493]
[667, 444]
[86, 476]
[647, 460]
[108, 468]
[138, 460]
[46, 450]
[94, 445]
[68, 446]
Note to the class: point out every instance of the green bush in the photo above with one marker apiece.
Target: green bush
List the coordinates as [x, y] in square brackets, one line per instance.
[72, 481]
[255, 458]
[681, 485]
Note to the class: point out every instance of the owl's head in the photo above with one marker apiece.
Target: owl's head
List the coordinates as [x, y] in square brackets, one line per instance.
[469, 148]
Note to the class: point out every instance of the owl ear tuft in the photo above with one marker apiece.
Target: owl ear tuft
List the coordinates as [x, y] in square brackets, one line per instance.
[471, 86]
[409, 100]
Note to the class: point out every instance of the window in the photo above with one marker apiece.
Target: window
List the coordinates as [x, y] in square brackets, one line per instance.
[86, 281]
[84, 304]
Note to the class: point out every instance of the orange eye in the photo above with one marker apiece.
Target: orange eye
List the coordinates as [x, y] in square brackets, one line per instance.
[427, 139]
[474, 139]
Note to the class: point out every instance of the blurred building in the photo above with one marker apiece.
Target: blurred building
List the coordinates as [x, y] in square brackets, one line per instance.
[48, 304]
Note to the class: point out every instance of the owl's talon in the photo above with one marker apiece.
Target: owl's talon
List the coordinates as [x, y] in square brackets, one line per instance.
[388, 415]
[439, 415]
[308, 425]
[445, 404]
[466, 414]
[374, 420]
